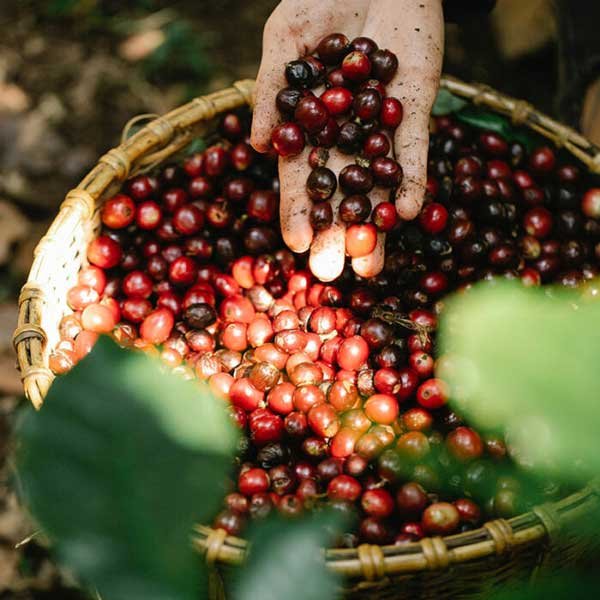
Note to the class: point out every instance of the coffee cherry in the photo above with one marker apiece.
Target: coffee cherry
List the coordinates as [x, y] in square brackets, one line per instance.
[337, 100]
[542, 160]
[433, 218]
[364, 44]
[386, 172]
[321, 216]
[373, 531]
[327, 136]
[318, 157]
[493, 144]
[382, 408]
[148, 215]
[183, 271]
[391, 113]
[333, 48]
[350, 138]
[355, 179]
[253, 481]
[118, 212]
[98, 318]
[311, 114]
[432, 393]
[377, 503]
[352, 353]
[464, 444]
[538, 222]
[323, 420]
[104, 252]
[440, 518]
[377, 144]
[506, 503]
[299, 74]
[468, 511]
[265, 428]
[590, 204]
[384, 65]
[287, 99]
[413, 446]
[411, 499]
[344, 487]
[367, 104]
[321, 184]
[342, 395]
[355, 208]
[188, 219]
[80, 296]
[385, 216]
[287, 139]
[157, 326]
[356, 66]
[361, 240]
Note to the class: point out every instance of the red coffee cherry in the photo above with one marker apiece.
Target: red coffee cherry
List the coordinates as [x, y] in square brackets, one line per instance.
[104, 252]
[118, 212]
[464, 444]
[382, 408]
[344, 487]
[361, 239]
[288, 139]
[253, 481]
[440, 518]
[356, 66]
[337, 100]
[377, 503]
[432, 393]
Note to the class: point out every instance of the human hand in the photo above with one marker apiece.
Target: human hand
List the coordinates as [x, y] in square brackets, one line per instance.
[414, 31]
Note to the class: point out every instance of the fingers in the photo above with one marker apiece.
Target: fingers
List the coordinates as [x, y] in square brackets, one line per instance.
[294, 29]
[328, 250]
[279, 47]
[294, 207]
[418, 40]
[412, 145]
[372, 264]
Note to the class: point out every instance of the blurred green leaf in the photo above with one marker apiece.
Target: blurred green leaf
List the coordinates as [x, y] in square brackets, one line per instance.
[286, 560]
[60, 8]
[446, 102]
[527, 360]
[575, 585]
[118, 465]
[183, 55]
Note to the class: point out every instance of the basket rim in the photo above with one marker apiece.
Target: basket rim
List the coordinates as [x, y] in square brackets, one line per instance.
[165, 135]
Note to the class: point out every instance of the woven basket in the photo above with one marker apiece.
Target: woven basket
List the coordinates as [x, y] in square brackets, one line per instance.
[459, 566]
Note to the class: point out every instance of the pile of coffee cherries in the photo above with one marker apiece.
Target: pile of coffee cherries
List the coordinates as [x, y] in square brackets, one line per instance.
[334, 385]
[352, 114]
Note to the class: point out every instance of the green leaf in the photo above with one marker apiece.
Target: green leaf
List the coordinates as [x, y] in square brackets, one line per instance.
[527, 360]
[184, 55]
[286, 561]
[118, 465]
[446, 102]
[490, 121]
[196, 145]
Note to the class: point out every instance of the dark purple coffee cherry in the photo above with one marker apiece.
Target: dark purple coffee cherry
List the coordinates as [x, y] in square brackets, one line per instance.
[321, 184]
